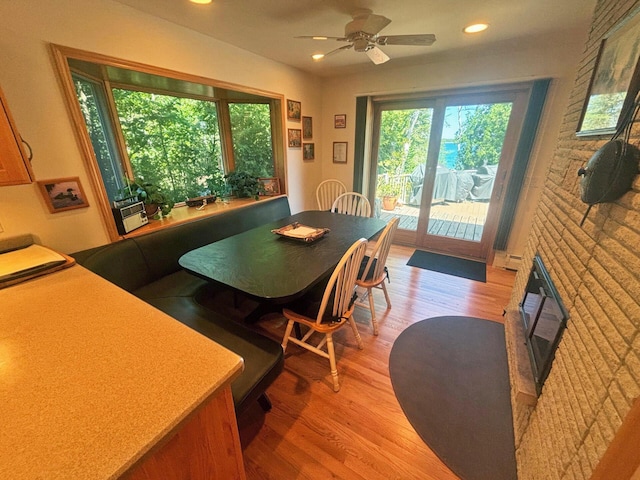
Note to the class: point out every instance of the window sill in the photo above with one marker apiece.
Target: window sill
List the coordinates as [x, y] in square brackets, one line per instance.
[184, 214]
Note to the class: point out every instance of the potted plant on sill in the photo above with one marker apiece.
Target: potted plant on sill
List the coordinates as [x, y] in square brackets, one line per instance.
[206, 190]
[244, 185]
[155, 201]
[389, 192]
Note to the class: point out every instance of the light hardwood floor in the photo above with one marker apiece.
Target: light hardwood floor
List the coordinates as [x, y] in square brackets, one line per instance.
[359, 432]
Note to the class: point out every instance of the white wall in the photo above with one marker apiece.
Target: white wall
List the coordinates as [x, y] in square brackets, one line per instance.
[553, 57]
[29, 81]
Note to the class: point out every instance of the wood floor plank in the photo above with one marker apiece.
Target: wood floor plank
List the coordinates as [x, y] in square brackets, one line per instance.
[360, 432]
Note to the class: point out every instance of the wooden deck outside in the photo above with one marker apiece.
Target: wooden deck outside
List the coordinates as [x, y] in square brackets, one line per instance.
[464, 220]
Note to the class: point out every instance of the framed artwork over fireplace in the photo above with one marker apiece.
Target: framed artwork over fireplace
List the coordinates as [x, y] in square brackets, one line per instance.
[615, 80]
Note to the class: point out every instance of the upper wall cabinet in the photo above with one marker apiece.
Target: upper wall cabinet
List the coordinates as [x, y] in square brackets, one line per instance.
[15, 168]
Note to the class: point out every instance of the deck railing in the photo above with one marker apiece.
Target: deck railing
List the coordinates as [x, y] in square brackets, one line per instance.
[401, 183]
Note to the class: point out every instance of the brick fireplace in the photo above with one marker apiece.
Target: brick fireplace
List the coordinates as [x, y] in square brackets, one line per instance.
[564, 432]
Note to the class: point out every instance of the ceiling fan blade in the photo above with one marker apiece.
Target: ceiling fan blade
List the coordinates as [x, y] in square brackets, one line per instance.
[377, 56]
[346, 47]
[373, 23]
[423, 40]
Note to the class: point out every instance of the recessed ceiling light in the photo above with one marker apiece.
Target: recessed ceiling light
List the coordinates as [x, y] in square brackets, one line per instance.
[201, 2]
[475, 28]
[317, 56]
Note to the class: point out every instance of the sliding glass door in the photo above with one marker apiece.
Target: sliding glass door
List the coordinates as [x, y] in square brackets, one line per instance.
[441, 165]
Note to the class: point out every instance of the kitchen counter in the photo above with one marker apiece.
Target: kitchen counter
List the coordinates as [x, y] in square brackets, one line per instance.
[92, 378]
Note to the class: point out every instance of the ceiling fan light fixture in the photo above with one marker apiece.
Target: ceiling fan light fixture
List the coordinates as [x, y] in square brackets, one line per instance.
[201, 2]
[475, 28]
[317, 57]
[376, 55]
[319, 38]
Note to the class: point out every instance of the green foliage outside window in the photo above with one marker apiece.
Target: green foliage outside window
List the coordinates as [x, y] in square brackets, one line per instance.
[476, 132]
[481, 135]
[404, 140]
[172, 142]
[180, 140]
[92, 105]
[251, 134]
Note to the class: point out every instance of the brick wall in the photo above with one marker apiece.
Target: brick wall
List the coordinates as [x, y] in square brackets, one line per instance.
[596, 268]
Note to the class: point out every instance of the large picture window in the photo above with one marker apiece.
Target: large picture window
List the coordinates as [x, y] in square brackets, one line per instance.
[180, 132]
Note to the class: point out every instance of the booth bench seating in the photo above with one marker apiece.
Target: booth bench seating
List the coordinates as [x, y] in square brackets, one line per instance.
[147, 266]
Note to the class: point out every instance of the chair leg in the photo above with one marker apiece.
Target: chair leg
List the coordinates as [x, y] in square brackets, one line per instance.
[287, 334]
[264, 402]
[374, 322]
[332, 362]
[356, 333]
[386, 295]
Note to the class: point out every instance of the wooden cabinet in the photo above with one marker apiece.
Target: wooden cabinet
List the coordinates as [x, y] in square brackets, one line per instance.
[15, 168]
[207, 447]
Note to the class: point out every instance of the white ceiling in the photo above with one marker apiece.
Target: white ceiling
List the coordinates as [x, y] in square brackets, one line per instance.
[268, 27]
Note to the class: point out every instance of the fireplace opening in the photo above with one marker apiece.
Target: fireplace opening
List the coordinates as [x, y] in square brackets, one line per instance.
[544, 318]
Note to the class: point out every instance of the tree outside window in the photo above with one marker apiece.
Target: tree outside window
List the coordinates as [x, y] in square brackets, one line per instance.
[172, 142]
[251, 134]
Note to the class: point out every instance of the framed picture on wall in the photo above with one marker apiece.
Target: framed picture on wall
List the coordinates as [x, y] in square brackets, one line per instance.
[340, 121]
[294, 110]
[63, 194]
[339, 152]
[307, 127]
[308, 151]
[615, 80]
[295, 137]
[270, 185]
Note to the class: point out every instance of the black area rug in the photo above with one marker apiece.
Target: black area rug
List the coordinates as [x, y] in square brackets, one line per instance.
[459, 267]
[451, 379]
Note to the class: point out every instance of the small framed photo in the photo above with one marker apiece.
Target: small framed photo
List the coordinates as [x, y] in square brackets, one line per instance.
[339, 152]
[295, 137]
[340, 121]
[307, 127]
[270, 185]
[63, 194]
[308, 151]
[294, 110]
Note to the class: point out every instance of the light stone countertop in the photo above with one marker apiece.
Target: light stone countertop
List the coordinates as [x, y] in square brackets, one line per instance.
[91, 377]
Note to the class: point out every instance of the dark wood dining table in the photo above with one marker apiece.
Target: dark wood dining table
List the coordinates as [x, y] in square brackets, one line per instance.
[271, 267]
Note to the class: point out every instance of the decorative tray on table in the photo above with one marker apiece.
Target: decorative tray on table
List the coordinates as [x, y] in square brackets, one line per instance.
[300, 232]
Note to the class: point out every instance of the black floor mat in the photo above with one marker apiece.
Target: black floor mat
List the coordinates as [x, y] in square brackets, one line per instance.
[459, 267]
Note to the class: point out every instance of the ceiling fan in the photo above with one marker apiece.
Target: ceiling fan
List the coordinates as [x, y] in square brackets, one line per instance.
[362, 35]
